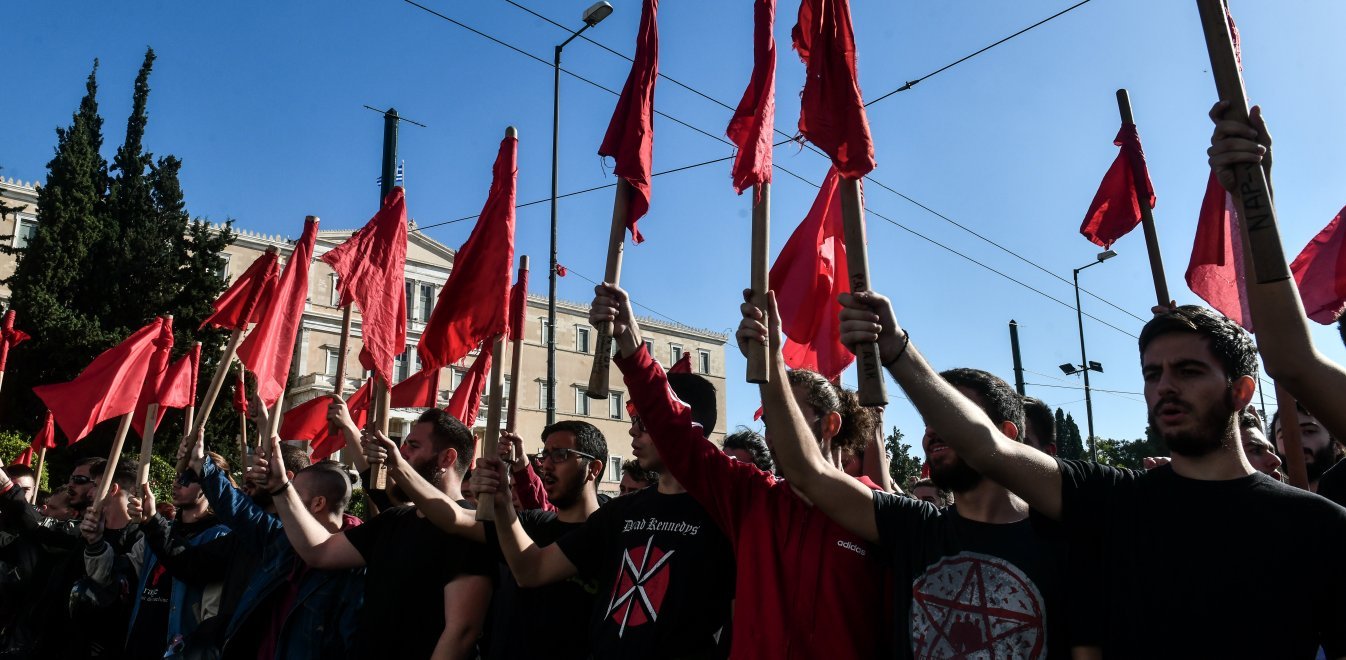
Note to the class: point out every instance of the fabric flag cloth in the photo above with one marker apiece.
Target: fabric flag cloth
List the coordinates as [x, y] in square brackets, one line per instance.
[177, 389]
[683, 365]
[466, 399]
[831, 111]
[9, 338]
[419, 390]
[270, 346]
[1215, 272]
[1116, 207]
[561, 270]
[518, 306]
[753, 123]
[45, 438]
[308, 421]
[630, 137]
[474, 303]
[245, 300]
[240, 395]
[371, 265]
[1320, 272]
[109, 387]
[154, 377]
[807, 276]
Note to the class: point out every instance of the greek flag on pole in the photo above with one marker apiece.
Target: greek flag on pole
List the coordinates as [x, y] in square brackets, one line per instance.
[398, 179]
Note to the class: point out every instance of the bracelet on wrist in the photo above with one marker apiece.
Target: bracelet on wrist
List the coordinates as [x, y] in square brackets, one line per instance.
[280, 489]
[906, 341]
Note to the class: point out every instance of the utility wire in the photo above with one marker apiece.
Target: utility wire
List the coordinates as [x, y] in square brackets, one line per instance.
[871, 179]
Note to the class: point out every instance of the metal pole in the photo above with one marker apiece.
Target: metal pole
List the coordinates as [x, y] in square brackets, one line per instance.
[1084, 364]
[389, 154]
[1018, 363]
[550, 403]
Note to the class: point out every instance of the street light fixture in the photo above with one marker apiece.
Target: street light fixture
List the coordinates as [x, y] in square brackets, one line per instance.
[1085, 365]
[591, 17]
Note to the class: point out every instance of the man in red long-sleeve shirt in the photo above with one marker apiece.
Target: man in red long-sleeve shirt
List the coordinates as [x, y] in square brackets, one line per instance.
[805, 587]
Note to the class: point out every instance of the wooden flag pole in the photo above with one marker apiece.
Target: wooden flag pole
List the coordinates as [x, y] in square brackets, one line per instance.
[105, 484]
[41, 462]
[490, 440]
[872, 390]
[516, 359]
[1146, 216]
[1252, 195]
[1295, 470]
[147, 444]
[598, 377]
[759, 281]
[213, 390]
[243, 441]
[380, 406]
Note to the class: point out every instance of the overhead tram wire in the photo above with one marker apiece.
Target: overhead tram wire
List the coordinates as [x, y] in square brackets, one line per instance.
[870, 178]
[777, 166]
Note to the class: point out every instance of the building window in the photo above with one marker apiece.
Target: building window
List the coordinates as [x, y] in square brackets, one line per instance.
[582, 339]
[223, 273]
[614, 471]
[615, 406]
[542, 394]
[703, 361]
[26, 229]
[581, 402]
[405, 364]
[674, 353]
[427, 303]
[504, 394]
[545, 335]
[455, 379]
[336, 294]
[649, 347]
[411, 300]
[332, 355]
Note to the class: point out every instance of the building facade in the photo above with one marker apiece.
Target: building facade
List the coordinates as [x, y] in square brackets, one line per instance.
[313, 370]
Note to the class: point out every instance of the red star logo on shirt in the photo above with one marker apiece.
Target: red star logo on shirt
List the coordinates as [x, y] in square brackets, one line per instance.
[640, 588]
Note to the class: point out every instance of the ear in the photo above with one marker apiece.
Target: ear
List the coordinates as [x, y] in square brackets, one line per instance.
[448, 458]
[831, 425]
[1010, 429]
[593, 473]
[318, 504]
[1243, 387]
[289, 475]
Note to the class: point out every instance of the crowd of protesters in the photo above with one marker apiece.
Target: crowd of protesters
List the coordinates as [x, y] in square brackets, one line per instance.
[791, 544]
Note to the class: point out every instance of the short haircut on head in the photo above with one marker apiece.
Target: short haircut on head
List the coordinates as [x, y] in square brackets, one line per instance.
[294, 457]
[748, 440]
[858, 423]
[999, 400]
[1230, 344]
[1250, 419]
[446, 432]
[95, 463]
[124, 476]
[329, 479]
[18, 470]
[588, 439]
[1039, 416]
[699, 395]
[632, 467]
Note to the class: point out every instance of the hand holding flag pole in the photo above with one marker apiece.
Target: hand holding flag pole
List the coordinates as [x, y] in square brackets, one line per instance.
[491, 438]
[869, 372]
[612, 274]
[759, 367]
[1146, 213]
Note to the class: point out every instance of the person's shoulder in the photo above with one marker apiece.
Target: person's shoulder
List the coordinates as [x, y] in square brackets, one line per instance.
[530, 517]
[1289, 496]
[1080, 470]
[903, 506]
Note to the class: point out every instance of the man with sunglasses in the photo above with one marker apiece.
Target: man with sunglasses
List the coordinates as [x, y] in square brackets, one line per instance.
[542, 622]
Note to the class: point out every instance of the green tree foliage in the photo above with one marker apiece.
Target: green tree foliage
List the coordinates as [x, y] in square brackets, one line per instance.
[1131, 453]
[902, 466]
[1069, 442]
[11, 445]
[114, 247]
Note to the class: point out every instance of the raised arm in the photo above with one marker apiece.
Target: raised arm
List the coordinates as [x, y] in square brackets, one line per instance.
[1283, 335]
[1028, 473]
[236, 510]
[437, 507]
[532, 566]
[314, 544]
[339, 416]
[466, 600]
[840, 496]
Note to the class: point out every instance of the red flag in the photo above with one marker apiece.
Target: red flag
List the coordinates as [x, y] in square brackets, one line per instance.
[154, 376]
[753, 123]
[46, 437]
[561, 270]
[1116, 206]
[270, 346]
[474, 303]
[1215, 272]
[808, 275]
[419, 390]
[107, 388]
[9, 338]
[177, 388]
[372, 265]
[683, 365]
[757, 415]
[240, 394]
[308, 421]
[466, 399]
[630, 137]
[518, 306]
[1320, 271]
[245, 300]
[831, 112]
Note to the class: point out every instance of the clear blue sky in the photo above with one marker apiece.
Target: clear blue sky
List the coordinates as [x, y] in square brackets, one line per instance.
[263, 102]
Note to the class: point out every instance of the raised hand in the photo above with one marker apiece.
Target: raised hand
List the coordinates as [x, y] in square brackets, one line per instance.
[268, 471]
[379, 449]
[92, 526]
[511, 451]
[140, 509]
[339, 414]
[1235, 142]
[611, 304]
[868, 317]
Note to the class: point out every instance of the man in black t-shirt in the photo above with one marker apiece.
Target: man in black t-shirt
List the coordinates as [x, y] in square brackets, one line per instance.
[1175, 538]
[665, 570]
[426, 592]
[547, 621]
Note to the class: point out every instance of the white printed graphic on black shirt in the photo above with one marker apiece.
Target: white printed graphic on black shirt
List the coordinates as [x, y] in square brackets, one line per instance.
[640, 587]
[973, 605]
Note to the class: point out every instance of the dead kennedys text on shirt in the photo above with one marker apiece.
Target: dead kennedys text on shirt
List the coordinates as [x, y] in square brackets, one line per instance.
[973, 605]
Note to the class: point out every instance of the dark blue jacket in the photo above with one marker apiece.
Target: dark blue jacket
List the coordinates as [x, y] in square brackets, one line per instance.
[320, 621]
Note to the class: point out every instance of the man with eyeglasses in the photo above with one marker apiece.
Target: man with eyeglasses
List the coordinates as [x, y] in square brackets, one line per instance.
[665, 571]
[541, 622]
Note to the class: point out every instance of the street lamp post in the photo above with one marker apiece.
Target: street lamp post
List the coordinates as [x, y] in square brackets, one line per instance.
[591, 17]
[1085, 365]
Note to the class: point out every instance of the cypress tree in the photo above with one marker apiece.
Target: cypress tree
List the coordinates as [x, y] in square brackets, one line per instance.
[1069, 443]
